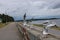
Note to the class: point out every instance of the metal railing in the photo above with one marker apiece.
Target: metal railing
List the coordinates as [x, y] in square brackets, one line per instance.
[26, 33]
[33, 34]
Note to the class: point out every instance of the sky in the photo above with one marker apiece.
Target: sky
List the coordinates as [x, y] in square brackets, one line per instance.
[32, 8]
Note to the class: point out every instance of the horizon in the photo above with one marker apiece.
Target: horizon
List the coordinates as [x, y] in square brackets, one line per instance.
[45, 17]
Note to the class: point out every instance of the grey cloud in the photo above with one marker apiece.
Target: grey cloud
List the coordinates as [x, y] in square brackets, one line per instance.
[56, 6]
[31, 7]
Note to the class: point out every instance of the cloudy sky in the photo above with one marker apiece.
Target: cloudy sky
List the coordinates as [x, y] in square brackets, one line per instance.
[33, 8]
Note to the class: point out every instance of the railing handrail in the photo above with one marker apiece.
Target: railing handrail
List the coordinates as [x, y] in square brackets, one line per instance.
[27, 33]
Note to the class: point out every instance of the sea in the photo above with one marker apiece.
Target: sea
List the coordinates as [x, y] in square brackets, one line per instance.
[57, 21]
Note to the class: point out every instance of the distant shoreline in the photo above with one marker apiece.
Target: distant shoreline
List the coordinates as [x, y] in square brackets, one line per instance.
[38, 19]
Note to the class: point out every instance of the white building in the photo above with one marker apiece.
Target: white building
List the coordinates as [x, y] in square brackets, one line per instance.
[0, 20]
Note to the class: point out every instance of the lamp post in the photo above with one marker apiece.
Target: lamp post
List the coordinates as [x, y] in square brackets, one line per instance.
[24, 17]
[6, 15]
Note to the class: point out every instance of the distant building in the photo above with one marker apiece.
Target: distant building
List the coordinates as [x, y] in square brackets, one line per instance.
[0, 20]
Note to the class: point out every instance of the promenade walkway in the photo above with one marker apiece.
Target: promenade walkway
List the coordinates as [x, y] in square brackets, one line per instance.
[10, 32]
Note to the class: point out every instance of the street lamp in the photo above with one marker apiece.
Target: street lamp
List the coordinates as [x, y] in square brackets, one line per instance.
[6, 15]
[24, 17]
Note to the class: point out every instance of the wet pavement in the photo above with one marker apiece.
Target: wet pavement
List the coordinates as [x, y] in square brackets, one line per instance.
[10, 32]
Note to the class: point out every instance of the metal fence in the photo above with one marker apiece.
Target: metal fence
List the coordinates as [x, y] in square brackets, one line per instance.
[33, 37]
[27, 35]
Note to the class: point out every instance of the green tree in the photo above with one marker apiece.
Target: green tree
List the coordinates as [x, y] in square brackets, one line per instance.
[6, 18]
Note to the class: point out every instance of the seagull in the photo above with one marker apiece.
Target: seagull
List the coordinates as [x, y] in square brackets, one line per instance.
[24, 23]
[47, 24]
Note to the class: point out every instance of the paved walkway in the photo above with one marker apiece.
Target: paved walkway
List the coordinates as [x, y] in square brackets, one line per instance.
[10, 32]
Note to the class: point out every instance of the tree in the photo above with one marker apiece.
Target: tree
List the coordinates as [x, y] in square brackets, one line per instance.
[6, 18]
